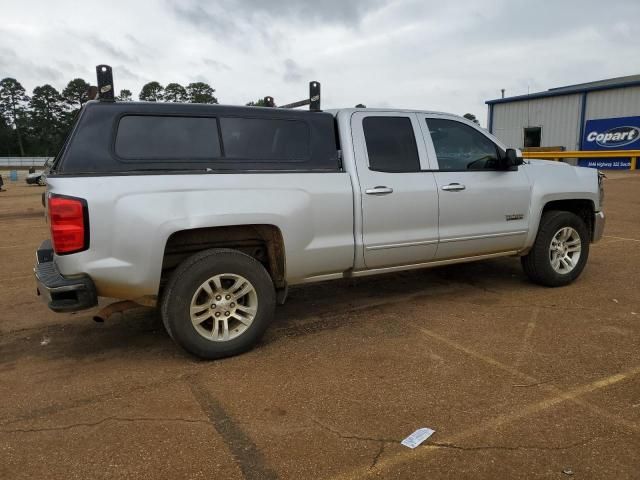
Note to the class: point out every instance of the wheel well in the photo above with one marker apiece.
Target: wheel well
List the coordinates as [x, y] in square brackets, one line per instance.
[262, 242]
[583, 208]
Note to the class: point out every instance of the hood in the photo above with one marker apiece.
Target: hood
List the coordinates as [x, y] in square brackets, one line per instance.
[539, 162]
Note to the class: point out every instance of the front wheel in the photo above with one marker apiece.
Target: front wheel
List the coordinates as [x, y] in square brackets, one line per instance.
[560, 251]
[218, 303]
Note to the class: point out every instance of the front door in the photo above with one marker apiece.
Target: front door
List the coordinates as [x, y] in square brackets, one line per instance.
[398, 197]
[483, 209]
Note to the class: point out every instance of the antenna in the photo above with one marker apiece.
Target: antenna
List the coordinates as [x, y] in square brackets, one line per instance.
[105, 83]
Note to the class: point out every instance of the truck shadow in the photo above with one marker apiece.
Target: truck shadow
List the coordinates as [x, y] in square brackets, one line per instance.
[312, 308]
[138, 333]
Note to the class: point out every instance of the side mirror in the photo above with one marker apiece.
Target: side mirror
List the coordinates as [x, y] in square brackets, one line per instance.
[512, 159]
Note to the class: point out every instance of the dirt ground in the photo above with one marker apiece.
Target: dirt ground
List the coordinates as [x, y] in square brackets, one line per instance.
[518, 381]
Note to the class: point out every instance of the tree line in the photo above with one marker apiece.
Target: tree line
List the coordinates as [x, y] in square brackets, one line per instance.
[36, 124]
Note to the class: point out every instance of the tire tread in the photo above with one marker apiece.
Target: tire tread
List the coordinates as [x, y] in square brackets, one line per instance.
[536, 264]
[183, 270]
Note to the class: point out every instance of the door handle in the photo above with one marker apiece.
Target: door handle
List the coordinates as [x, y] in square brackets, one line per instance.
[453, 187]
[379, 190]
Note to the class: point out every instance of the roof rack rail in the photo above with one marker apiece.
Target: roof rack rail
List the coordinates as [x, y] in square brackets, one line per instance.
[105, 91]
[313, 101]
[105, 83]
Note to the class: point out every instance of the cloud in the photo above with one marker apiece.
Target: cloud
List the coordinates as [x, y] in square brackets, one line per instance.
[349, 12]
[255, 21]
[216, 16]
[201, 17]
[424, 54]
[18, 67]
[293, 72]
[105, 46]
[220, 66]
[124, 72]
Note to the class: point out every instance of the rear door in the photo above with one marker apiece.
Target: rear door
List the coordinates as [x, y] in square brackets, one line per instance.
[483, 209]
[398, 195]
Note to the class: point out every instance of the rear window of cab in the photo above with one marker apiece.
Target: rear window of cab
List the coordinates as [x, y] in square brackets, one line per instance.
[161, 138]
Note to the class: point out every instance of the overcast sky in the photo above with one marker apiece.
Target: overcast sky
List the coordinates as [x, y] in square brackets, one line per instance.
[436, 55]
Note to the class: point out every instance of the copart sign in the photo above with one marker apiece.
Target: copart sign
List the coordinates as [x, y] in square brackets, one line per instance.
[611, 134]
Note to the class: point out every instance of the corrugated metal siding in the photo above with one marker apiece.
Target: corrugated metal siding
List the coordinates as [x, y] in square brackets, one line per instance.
[559, 118]
[623, 102]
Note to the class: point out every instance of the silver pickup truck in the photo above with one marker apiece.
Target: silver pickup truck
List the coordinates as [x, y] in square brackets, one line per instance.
[213, 211]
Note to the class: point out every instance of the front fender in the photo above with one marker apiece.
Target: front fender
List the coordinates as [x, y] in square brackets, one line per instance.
[553, 181]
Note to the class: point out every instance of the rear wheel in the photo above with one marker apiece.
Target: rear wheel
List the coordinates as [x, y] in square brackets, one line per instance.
[218, 303]
[560, 251]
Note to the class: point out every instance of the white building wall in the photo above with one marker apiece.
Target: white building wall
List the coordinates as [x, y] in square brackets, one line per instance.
[621, 102]
[559, 118]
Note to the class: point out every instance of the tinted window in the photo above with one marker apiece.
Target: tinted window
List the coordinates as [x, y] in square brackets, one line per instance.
[265, 139]
[167, 138]
[461, 147]
[391, 144]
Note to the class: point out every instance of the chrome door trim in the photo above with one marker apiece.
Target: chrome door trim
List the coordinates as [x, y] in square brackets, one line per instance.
[479, 237]
[399, 245]
[436, 263]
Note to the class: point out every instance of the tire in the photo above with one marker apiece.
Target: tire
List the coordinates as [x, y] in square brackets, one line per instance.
[195, 316]
[541, 264]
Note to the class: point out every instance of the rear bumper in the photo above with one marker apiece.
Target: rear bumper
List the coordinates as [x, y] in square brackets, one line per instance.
[61, 294]
[598, 226]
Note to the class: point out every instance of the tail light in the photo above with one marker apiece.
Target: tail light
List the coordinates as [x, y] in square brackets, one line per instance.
[69, 220]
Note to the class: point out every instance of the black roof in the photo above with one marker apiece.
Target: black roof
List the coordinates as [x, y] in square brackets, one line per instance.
[90, 148]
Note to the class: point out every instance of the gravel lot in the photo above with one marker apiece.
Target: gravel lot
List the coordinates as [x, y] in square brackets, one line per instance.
[518, 381]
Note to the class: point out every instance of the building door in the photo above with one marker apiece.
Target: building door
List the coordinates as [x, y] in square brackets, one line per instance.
[532, 137]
